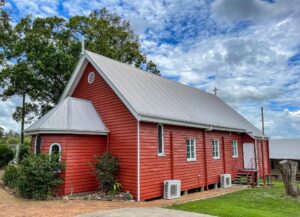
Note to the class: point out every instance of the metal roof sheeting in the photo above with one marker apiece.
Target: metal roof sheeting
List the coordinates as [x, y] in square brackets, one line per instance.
[152, 96]
[71, 116]
[285, 149]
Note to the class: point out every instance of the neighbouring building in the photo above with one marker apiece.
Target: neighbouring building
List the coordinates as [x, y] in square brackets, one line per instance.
[158, 128]
[284, 149]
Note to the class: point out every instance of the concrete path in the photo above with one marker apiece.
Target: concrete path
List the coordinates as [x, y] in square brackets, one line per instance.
[143, 212]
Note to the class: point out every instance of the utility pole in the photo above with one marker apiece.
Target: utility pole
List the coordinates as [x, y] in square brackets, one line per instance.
[215, 91]
[262, 120]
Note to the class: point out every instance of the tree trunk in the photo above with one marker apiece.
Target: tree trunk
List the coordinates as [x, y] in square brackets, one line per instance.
[288, 170]
[23, 118]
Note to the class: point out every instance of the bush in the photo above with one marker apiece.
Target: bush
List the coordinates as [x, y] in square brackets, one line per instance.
[10, 176]
[6, 155]
[38, 176]
[24, 151]
[107, 167]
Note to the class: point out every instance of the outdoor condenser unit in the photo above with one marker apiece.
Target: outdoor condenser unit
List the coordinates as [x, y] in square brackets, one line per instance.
[225, 180]
[172, 189]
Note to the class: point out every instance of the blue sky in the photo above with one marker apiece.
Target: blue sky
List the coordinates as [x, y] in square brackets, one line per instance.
[248, 49]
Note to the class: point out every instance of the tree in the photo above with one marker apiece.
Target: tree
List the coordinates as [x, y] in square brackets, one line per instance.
[288, 170]
[46, 50]
[151, 67]
[1, 132]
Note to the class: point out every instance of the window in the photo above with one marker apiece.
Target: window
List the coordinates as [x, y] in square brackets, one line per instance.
[37, 148]
[235, 150]
[91, 77]
[191, 149]
[160, 139]
[216, 149]
[55, 149]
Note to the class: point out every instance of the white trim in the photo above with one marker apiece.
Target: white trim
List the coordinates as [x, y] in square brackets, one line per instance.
[91, 77]
[217, 157]
[195, 150]
[235, 142]
[162, 139]
[58, 131]
[138, 161]
[50, 150]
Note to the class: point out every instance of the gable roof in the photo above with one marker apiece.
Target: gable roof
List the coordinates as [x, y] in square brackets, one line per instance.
[152, 98]
[70, 116]
[285, 149]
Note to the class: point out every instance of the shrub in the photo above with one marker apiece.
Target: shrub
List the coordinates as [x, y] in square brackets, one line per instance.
[6, 155]
[10, 176]
[24, 151]
[107, 167]
[39, 177]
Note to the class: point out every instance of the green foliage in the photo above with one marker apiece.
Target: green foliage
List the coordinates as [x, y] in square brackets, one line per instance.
[13, 140]
[25, 151]
[6, 155]
[116, 187]
[151, 67]
[258, 202]
[107, 167]
[10, 176]
[39, 177]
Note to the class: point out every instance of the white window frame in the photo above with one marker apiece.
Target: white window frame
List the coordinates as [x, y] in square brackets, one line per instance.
[217, 151]
[162, 153]
[235, 149]
[50, 150]
[189, 146]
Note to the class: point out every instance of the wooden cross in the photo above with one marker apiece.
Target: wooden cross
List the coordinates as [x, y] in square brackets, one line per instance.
[215, 90]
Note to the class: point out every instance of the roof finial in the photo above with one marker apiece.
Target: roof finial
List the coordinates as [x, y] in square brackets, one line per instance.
[82, 46]
[215, 90]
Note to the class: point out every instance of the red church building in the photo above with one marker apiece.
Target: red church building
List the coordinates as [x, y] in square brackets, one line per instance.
[159, 129]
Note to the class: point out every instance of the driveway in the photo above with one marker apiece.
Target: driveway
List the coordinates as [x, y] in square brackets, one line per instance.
[17, 207]
[143, 212]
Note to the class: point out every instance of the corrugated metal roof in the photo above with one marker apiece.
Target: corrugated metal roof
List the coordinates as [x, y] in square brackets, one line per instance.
[72, 115]
[285, 149]
[152, 96]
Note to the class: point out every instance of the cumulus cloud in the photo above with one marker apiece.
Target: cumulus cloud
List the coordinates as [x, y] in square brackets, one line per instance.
[242, 47]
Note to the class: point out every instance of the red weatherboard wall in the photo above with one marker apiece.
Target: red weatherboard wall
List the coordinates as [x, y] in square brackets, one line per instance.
[120, 122]
[78, 152]
[155, 169]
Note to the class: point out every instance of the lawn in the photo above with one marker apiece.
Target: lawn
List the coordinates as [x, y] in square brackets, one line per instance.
[258, 202]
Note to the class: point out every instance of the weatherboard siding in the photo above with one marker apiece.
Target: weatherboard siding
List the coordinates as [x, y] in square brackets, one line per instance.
[77, 152]
[155, 169]
[120, 122]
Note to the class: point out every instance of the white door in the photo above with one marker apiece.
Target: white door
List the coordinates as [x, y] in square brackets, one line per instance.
[249, 156]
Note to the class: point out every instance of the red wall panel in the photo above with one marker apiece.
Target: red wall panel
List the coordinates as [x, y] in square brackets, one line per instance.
[120, 122]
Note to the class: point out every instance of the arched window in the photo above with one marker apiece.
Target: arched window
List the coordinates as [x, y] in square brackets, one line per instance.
[37, 146]
[55, 148]
[160, 139]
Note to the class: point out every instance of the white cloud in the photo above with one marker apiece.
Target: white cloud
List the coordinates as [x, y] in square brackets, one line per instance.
[240, 46]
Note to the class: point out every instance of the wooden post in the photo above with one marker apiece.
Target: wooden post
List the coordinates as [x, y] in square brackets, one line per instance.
[224, 155]
[263, 162]
[172, 155]
[205, 159]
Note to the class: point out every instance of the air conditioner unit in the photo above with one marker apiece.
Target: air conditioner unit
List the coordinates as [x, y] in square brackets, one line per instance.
[172, 189]
[225, 180]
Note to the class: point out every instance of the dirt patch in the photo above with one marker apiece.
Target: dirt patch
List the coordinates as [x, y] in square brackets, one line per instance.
[16, 207]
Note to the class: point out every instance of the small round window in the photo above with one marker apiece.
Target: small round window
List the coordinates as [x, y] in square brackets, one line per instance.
[91, 77]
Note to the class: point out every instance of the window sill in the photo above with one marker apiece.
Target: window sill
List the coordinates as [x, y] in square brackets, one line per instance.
[216, 158]
[235, 157]
[161, 155]
[191, 160]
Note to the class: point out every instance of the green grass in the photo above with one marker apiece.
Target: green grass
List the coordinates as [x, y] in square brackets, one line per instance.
[258, 202]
